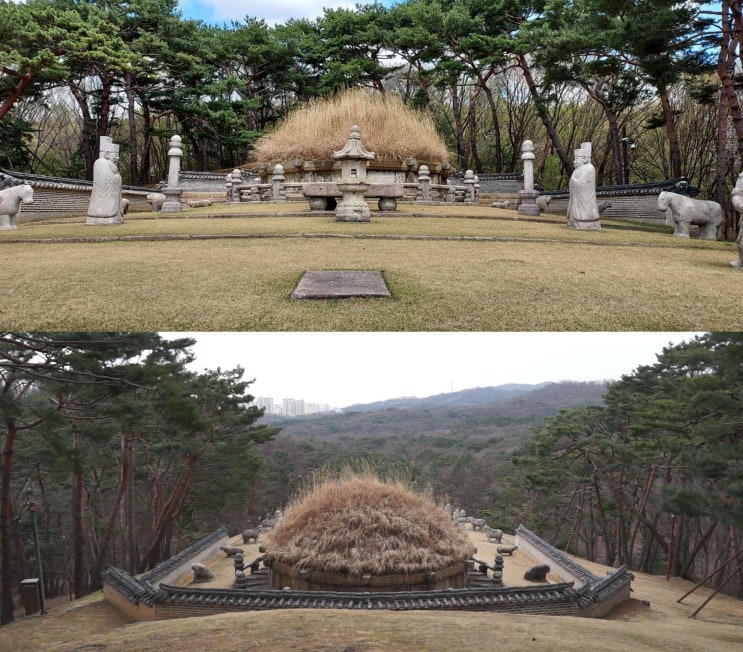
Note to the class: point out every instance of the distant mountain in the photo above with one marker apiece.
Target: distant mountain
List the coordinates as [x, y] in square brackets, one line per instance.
[515, 414]
[476, 396]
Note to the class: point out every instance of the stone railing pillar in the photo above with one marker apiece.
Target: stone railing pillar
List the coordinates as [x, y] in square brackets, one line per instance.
[424, 185]
[528, 205]
[172, 191]
[470, 194]
[278, 193]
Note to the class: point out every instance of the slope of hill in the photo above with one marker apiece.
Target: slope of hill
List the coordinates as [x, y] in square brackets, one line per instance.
[475, 396]
[469, 417]
[461, 451]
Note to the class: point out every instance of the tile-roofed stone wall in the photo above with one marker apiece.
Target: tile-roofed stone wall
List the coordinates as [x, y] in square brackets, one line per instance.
[58, 197]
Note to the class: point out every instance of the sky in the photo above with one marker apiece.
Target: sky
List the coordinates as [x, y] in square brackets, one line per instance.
[275, 11]
[341, 369]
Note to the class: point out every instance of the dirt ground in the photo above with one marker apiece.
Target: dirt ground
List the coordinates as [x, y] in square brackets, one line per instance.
[652, 620]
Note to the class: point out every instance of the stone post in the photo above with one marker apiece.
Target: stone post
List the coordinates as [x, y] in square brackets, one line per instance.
[354, 159]
[172, 192]
[469, 182]
[528, 205]
[228, 187]
[237, 181]
[278, 193]
[241, 581]
[424, 186]
[255, 191]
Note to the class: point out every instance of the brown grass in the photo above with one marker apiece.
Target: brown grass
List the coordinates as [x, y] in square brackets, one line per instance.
[355, 524]
[388, 127]
[445, 272]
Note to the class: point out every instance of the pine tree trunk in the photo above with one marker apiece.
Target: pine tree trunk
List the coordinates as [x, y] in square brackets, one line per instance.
[79, 583]
[567, 164]
[87, 130]
[132, 115]
[671, 132]
[7, 578]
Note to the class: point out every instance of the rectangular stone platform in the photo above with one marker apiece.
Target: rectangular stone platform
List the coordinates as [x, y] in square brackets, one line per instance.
[340, 284]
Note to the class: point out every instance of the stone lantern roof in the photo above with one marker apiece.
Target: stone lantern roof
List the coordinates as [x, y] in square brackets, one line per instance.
[353, 149]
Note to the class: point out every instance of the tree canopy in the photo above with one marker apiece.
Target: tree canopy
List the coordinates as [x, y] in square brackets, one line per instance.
[124, 450]
[491, 75]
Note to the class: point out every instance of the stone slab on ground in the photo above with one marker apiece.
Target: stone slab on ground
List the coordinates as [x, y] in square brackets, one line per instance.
[340, 284]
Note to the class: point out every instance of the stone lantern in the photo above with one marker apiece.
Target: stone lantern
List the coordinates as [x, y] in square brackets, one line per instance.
[353, 184]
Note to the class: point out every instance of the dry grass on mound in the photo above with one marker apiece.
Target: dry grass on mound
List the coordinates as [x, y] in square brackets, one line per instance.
[388, 128]
[359, 524]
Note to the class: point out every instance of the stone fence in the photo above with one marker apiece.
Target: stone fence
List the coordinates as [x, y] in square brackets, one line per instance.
[494, 184]
[242, 186]
[637, 202]
[598, 595]
[149, 597]
[58, 197]
[137, 597]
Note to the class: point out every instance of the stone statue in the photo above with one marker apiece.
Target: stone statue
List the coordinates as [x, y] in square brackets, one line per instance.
[682, 211]
[156, 200]
[537, 573]
[11, 199]
[736, 197]
[105, 199]
[201, 573]
[583, 210]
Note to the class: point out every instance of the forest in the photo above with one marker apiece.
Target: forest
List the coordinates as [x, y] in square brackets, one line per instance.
[122, 456]
[652, 84]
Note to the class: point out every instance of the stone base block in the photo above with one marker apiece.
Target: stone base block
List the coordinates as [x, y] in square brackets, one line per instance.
[98, 221]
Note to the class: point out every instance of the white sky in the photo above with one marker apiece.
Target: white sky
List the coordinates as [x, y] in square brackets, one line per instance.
[345, 368]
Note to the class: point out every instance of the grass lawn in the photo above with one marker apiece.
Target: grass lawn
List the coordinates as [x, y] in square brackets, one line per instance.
[477, 269]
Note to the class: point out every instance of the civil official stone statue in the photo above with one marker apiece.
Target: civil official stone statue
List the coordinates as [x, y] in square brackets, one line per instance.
[583, 208]
[105, 199]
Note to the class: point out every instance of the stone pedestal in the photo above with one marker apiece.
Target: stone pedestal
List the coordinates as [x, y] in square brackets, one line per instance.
[528, 205]
[353, 206]
[172, 203]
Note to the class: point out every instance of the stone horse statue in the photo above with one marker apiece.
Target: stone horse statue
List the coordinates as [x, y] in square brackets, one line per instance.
[10, 204]
[682, 211]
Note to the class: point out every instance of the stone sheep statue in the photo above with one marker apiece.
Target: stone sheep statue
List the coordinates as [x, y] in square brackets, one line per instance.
[199, 203]
[682, 211]
[156, 200]
[252, 534]
[201, 573]
[537, 573]
[506, 550]
[10, 204]
[492, 534]
[477, 523]
[231, 552]
[542, 202]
